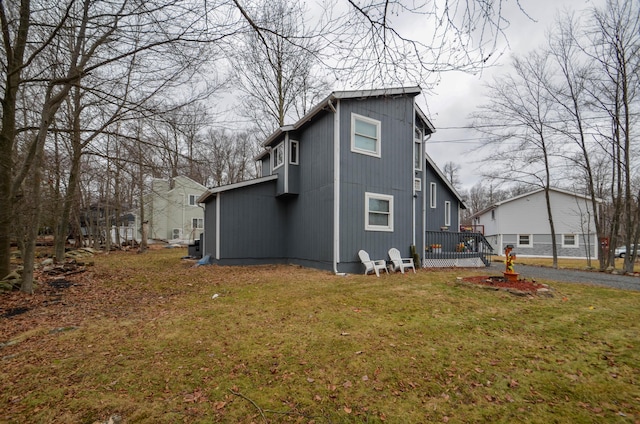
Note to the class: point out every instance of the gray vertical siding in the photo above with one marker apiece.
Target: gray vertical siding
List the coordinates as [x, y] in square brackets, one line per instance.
[310, 212]
[252, 225]
[391, 174]
[435, 217]
[209, 235]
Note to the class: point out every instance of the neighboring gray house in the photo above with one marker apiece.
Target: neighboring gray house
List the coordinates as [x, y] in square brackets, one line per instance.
[523, 222]
[351, 174]
[172, 210]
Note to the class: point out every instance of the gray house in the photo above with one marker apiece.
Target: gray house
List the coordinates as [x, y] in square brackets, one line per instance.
[351, 174]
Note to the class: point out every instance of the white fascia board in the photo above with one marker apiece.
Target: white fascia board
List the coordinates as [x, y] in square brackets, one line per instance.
[336, 95]
[212, 191]
[445, 180]
[425, 119]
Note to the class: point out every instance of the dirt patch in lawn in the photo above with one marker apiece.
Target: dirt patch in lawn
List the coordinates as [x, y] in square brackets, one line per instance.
[520, 287]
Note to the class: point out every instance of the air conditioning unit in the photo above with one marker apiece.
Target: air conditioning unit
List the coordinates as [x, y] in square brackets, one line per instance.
[177, 233]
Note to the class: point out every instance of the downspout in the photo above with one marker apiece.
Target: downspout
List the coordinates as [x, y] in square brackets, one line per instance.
[336, 185]
[424, 195]
[414, 193]
[218, 226]
[203, 236]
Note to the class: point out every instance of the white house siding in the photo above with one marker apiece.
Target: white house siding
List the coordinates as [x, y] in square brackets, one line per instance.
[168, 209]
[527, 215]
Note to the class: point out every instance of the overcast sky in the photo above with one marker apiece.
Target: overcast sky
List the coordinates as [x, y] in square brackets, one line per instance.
[460, 94]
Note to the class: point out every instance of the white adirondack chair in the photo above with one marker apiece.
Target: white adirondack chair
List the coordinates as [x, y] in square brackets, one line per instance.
[372, 265]
[399, 263]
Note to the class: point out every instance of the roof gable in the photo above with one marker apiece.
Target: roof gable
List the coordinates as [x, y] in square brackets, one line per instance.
[530, 193]
[327, 104]
[444, 179]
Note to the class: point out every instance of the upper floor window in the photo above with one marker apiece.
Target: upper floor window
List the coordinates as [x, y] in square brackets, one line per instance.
[193, 199]
[293, 152]
[197, 223]
[278, 156]
[365, 135]
[417, 150]
[378, 212]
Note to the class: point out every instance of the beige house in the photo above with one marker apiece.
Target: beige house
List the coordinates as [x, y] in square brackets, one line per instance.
[172, 210]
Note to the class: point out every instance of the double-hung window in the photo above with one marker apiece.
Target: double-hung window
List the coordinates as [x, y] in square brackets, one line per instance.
[365, 135]
[197, 223]
[378, 212]
[193, 199]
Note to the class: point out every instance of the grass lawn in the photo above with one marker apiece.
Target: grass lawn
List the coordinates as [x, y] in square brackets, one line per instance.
[154, 340]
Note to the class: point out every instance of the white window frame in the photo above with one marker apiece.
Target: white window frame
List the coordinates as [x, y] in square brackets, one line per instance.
[192, 200]
[524, 245]
[199, 223]
[278, 152]
[417, 150]
[378, 151]
[433, 201]
[373, 227]
[575, 241]
[294, 147]
[417, 184]
[447, 213]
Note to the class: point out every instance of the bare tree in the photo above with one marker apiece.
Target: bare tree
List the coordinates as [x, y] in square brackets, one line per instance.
[517, 122]
[614, 46]
[451, 170]
[275, 67]
[570, 94]
[85, 38]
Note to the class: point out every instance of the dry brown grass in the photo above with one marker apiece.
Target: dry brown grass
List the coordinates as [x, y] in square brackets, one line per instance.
[144, 337]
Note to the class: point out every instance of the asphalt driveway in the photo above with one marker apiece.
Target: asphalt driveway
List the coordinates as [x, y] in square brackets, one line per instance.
[623, 282]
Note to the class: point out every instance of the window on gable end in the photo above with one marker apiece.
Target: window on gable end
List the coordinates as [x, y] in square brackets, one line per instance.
[365, 135]
[447, 213]
[193, 200]
[432, 195]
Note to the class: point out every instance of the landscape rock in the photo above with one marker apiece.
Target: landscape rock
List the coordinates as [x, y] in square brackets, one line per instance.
[114, 419]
